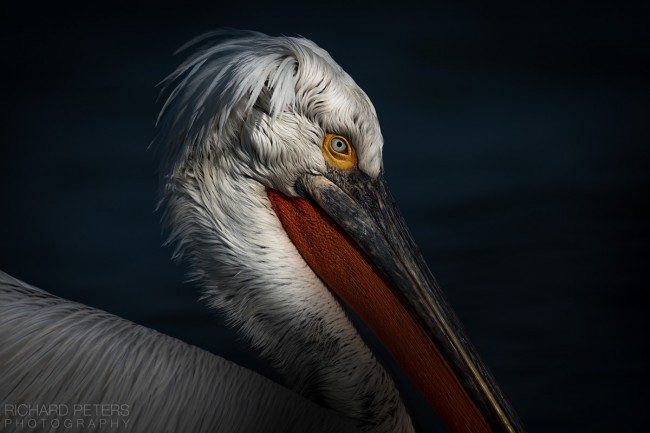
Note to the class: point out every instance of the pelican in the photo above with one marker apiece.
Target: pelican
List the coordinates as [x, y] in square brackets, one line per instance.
[273, 193]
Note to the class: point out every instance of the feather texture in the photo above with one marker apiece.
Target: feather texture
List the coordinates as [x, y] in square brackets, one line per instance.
[53, 351]
[244, 113]
[248, 112]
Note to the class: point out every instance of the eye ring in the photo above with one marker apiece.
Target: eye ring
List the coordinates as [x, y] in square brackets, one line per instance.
[338, 152]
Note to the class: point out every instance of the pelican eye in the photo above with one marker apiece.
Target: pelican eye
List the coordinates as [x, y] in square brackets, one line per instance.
[338, 145]
[338, 152]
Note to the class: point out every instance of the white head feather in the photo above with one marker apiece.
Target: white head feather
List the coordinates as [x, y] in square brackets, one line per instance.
[273, 87]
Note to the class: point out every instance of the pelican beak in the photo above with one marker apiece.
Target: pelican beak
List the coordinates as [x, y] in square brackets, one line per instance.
[349, 231]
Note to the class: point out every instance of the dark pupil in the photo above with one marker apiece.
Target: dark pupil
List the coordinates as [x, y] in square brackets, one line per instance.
[339, 145]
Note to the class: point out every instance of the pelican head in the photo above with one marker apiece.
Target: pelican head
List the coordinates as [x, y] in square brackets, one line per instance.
[272, 183]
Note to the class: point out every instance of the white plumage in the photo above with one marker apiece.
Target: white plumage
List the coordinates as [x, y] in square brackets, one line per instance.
[244, 113]
[58, 352]
[247, 114]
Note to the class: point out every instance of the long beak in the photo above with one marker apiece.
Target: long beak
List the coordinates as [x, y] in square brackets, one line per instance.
[390, 287]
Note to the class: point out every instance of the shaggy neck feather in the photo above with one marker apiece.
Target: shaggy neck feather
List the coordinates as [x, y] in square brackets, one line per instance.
[251, 272]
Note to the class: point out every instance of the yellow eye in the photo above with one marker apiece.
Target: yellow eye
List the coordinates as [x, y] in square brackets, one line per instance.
[338, 152]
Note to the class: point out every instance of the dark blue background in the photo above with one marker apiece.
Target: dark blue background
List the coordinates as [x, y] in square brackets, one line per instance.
[516, 145]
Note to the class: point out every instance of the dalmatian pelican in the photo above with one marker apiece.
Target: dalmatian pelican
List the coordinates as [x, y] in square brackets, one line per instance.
[273, 193]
